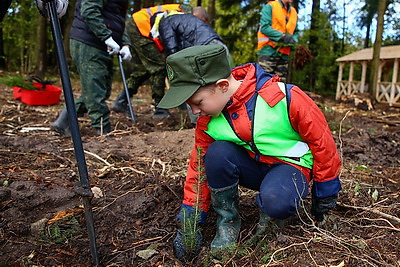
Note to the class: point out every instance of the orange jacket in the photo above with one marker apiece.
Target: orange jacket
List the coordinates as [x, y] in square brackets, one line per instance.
[282, 20]
[142, 19]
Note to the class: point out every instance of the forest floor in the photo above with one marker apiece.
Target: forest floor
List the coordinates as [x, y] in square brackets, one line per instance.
[139, 171]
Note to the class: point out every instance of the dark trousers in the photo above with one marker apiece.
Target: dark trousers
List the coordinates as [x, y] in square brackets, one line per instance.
[281, 186]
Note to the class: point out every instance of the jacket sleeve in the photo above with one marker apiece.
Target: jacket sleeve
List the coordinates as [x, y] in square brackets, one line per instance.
[266, 22]
[125, 38]
[309, 121]
[168, 35]
[91, 14]
[296, 33]
[196, 191]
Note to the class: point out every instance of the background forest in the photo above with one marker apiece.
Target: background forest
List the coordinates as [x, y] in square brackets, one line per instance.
[26, 42]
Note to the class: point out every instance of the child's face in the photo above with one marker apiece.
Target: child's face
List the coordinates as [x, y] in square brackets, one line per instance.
[208, 100]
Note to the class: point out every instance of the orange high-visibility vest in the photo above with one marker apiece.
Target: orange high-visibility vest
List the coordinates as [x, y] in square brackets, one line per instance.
[282, 21]
[142, 19]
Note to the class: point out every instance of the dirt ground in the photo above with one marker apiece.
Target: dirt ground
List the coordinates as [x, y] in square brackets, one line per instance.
[139, 171]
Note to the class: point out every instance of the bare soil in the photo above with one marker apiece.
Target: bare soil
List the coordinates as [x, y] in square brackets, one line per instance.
[139, 171]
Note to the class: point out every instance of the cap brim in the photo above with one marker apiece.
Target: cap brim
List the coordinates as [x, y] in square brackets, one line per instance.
[177, 95]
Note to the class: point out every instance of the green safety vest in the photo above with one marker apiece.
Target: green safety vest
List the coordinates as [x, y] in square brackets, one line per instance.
[272, 134]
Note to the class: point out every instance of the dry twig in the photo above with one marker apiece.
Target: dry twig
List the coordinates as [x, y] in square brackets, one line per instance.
[392, 218]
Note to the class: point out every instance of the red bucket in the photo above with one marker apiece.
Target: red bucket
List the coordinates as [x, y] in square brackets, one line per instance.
[47, 95]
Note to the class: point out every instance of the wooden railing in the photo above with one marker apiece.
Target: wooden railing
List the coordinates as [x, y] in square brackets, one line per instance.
[387, 92]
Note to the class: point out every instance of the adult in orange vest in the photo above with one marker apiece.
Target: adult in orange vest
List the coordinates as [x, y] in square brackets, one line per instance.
[148, 62]
[277, 33]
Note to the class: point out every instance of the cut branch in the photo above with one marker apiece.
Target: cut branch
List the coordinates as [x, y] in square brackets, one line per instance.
[392, 218]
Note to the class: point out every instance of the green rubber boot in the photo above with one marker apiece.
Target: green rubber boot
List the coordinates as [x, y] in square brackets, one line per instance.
[225, 202]
[266, 222]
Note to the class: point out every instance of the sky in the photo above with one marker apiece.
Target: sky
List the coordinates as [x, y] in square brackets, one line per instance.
[351, 12]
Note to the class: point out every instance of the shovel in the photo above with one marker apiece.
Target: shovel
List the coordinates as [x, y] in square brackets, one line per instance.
[121, 67]
[83, 187]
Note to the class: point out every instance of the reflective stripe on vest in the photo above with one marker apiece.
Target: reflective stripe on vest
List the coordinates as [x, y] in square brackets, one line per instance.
[268, 125]
[279, 15]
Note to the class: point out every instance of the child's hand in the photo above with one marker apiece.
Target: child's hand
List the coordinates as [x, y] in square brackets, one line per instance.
[321, 206]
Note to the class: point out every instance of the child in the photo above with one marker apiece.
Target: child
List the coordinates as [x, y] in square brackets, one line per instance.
[252, 131]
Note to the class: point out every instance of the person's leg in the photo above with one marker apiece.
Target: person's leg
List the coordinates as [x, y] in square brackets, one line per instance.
[281, 186]
[267, 63]
[153, 63]
[226, 165]
[137, 76]
[282, 69]
[135, 72]
[282, 191]
[61, 124]
[95, 69]
[274, 65]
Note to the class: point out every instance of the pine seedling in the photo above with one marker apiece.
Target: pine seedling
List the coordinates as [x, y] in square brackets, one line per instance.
[191, 228]
[18, 81]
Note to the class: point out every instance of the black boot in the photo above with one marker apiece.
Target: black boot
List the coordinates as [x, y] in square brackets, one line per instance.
[160, 113]
[61, 125]
[120, 104]
[106, 130]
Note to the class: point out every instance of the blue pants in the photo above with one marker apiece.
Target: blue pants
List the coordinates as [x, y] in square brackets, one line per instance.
[281, 186]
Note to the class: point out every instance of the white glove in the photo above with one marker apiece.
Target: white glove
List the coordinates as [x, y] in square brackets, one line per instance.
[61, 6]
[126, 53]
[112, 47]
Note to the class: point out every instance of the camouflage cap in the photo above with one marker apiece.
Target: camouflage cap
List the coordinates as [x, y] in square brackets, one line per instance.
[191, 68]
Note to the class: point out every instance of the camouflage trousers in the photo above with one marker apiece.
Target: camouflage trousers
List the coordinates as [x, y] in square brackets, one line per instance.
[147, 63]
[274, 65]
[95, 68]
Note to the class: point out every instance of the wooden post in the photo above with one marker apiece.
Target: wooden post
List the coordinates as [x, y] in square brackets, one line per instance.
[339, 81]
[363, 76]
[394, 81]
[378, 80]
[351, 73]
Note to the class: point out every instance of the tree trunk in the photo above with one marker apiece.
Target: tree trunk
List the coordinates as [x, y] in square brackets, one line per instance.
[377, 48]
[314, 41]
[2, 55]
[368, 31]
[66, 23]
[211, 12]
[41, 47]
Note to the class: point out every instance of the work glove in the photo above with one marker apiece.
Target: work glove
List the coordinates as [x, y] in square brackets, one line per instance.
[188, 240]
[288, 39]
[321, 206]
[61, 6]
[112, 47]
[126, 53]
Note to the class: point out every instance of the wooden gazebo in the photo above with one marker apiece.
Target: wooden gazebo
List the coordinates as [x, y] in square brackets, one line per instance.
[387, 89]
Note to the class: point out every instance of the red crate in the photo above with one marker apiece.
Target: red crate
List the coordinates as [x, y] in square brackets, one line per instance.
[47, 95]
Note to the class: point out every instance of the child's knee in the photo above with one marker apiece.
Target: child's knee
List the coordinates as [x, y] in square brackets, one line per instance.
[277, 206]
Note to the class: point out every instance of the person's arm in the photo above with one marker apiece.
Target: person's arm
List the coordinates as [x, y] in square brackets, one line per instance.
[296, 32]
[168, 35]
[91, 14]
[191, 192]
[266, 22]
[309, 121]
[125, 38]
